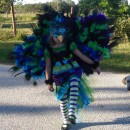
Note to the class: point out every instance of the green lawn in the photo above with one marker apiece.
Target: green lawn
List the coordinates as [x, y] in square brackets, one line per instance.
[119, 61]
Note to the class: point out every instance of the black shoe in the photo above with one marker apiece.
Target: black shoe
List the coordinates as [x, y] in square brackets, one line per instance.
[72, 119]
[65, 127]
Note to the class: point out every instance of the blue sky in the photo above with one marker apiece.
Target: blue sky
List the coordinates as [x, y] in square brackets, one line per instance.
[42, 1]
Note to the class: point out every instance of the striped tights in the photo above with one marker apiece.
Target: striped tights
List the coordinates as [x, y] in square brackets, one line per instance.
[73, 95]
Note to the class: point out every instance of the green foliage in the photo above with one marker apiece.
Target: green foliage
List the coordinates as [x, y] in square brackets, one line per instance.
[38, 8]
[123, 28]
[110, 7]
[4, 6]
[63, 6]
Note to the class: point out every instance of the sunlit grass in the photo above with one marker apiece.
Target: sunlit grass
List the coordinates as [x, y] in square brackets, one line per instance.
[119, 61]
[20, 17]
[7, 34]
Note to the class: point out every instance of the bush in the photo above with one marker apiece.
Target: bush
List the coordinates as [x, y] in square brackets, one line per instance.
[123, 28]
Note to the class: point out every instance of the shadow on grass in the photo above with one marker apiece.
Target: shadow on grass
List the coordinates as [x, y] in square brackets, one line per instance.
[118, 121]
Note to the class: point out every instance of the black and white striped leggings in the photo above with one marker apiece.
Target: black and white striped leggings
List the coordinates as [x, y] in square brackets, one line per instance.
[68, 112]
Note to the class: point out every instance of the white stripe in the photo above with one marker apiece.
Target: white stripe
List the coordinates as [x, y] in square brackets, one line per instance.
[74, 83]
[75, 93]
[73, 97]
[74, 89]
[72, 106]
[75, 102]
[74, 78]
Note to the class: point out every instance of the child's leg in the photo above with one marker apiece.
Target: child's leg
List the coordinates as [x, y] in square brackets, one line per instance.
[73, 96]
[64, 108]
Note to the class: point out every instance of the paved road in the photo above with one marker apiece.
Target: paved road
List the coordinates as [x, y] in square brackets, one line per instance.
[27, 107]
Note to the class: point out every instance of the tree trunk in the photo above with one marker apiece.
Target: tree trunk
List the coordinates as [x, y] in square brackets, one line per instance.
[13, 17]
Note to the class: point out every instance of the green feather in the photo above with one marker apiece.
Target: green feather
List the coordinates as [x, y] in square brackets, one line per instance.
[31, 64]
[101, 27]
[35, 70]
[79, 24]
[98, 27]
[37, 47]
[24, 46]
[83, 36]
[92, 28]
[105, 51]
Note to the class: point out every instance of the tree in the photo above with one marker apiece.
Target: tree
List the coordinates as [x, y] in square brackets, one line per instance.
[110, 7]
[4, 5]
[85, 6]
[13, 16]
[9, 3]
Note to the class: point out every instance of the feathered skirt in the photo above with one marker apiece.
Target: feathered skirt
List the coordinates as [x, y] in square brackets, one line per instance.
[62, 74]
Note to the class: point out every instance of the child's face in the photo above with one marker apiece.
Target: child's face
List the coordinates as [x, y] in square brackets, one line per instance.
[58, 39]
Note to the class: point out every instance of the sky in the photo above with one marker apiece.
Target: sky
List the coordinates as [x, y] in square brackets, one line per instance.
[41, 1]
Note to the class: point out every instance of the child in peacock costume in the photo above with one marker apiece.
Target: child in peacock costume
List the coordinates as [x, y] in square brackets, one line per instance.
[63, 50]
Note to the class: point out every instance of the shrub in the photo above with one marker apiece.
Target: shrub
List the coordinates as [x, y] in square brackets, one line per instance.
[123, 28]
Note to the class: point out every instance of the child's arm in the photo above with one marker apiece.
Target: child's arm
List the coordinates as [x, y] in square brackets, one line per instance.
[48, 74]
[85, 59]
[82, 56]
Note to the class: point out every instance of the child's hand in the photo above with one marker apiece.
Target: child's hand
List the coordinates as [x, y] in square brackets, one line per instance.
[50, 87]
[98, 70]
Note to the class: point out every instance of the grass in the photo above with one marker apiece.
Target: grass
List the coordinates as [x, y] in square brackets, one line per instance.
[7, 34]
[19, 17]
[5, 48]
[119, 61]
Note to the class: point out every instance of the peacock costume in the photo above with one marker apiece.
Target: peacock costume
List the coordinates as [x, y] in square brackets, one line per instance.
[90, 34]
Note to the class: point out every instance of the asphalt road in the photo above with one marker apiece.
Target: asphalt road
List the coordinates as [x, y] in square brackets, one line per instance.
[27, 107]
